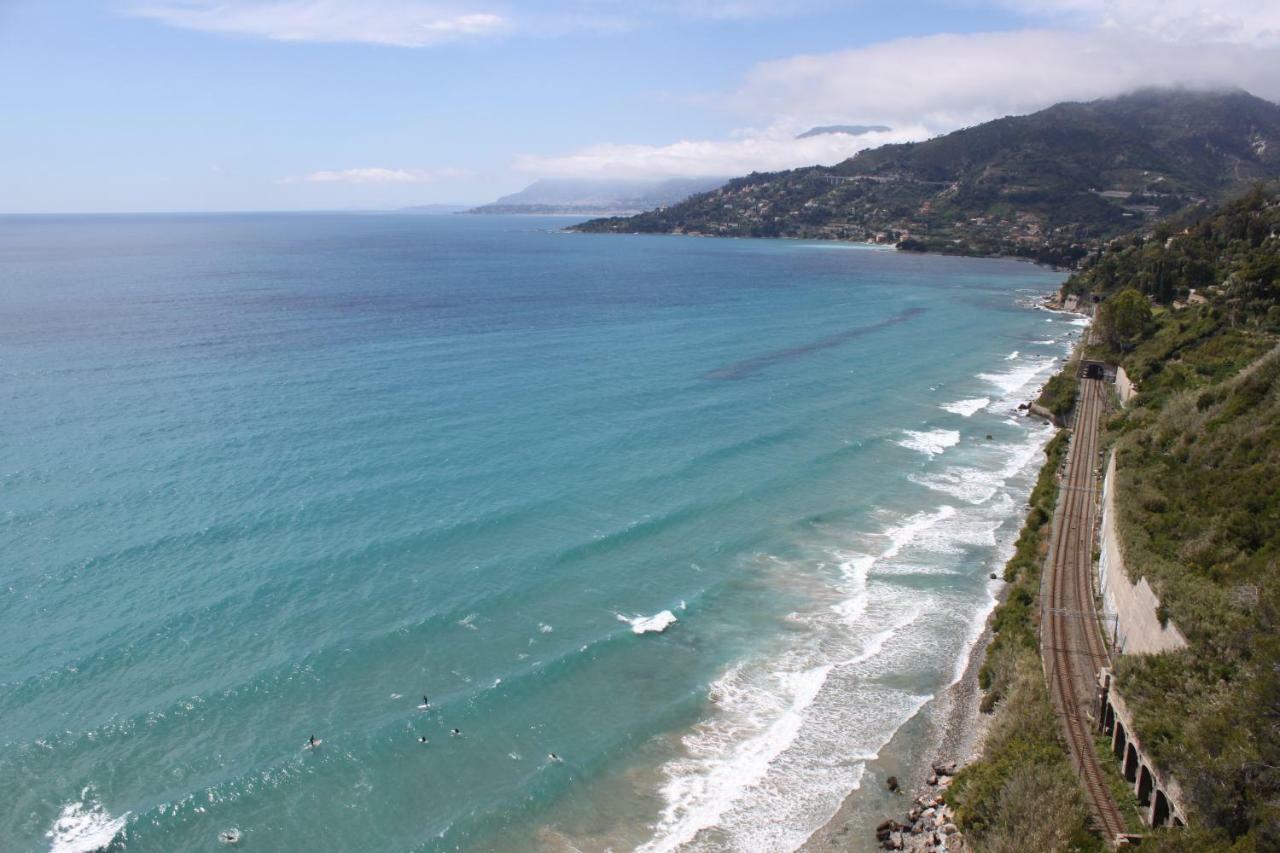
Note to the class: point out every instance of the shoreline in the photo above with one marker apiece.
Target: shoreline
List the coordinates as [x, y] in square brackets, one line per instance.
[994, 256]
[950, 728]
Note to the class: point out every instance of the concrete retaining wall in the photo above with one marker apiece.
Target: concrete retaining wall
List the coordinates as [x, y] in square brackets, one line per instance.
[1129, 609]
[1125, 387]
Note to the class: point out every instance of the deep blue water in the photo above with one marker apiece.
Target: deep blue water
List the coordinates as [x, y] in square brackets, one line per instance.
[263, 477]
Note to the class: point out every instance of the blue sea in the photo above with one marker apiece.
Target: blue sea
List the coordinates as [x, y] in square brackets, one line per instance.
[710, 520]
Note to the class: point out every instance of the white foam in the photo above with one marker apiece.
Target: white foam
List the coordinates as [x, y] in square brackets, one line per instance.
[1014, 380]
[1011, 356]
[1081, 321]
[545, 628]
[931, 442]
[657, 623]
[759, 770]
[976, 484]
[82, 828]
[766, 752]
[857, 567]
[792, 729]
[699, 791]
[907, 532]
[967, 407]
[967, 484]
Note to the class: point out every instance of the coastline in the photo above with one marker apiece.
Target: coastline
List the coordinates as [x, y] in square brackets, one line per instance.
[1002, 256]
[950, 728]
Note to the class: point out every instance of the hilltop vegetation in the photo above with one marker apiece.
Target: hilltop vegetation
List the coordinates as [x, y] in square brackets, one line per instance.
[1053, 186]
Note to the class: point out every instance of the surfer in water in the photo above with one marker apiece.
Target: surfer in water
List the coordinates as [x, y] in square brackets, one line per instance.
[426, 703]
[312, 743]
[551, 756]
[455, 732]
[423, 739]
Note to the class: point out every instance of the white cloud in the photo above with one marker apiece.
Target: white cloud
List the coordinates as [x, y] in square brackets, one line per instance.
[422, 23]
[1189, 21]
[934, 84]
[377, 175]
[949, 81]
[403, 23]
[776, 148]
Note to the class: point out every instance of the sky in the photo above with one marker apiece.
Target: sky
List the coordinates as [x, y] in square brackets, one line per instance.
[227, 105]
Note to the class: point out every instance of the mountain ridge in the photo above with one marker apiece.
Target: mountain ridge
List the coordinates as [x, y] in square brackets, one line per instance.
[1051, 185]
[597, 196]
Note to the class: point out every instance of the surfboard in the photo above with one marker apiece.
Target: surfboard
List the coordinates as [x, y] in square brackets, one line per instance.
[423, 707]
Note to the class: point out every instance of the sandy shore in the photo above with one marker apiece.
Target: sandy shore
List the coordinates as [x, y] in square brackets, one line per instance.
[949, 728]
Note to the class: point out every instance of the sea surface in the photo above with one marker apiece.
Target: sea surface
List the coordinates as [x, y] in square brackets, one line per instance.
[707, 519]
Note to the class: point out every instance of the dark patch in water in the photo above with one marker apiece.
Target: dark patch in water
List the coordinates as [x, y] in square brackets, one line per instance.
[751, 366]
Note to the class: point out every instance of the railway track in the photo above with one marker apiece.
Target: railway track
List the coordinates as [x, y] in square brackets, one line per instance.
[1071, 640]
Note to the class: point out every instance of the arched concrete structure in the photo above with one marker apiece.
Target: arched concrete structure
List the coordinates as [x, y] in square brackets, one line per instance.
[1160, 809]
[1145, 783]
[1160, 795]
[1131, 764]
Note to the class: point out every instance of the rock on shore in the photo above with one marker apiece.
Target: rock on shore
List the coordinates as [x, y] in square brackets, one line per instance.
[930, 824]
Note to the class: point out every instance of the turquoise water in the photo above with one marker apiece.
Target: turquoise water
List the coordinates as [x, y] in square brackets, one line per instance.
[263, 477]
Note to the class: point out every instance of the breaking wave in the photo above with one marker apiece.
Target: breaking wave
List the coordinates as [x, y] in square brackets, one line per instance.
[931, 442]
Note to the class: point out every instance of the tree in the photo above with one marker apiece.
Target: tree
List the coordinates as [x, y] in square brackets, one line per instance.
[1124, 319]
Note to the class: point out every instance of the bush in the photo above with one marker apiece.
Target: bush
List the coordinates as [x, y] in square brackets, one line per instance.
[1059, 393]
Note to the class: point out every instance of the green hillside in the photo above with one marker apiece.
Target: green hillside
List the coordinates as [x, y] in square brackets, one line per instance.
[1199, 509]
[1199, 514]
[1052, 185]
